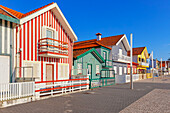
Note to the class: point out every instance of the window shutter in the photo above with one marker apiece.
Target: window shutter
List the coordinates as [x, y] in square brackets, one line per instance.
[43, 33]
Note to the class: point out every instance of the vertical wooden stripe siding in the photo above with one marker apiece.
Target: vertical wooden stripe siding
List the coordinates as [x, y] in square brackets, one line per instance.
[29, 37]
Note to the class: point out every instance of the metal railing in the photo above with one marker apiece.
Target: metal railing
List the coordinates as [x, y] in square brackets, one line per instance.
[121, 57]
[49, 45]
[9, 91]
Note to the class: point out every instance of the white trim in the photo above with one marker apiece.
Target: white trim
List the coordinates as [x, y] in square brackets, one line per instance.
[8, 37]
[33, 52]
[58, 14]
[126, 42]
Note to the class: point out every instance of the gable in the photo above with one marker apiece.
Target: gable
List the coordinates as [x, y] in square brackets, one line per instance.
[81, 53]
[37, 12]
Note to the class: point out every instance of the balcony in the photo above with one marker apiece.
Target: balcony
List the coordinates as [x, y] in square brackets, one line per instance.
[144, 64]
[49, 47]
[107, 63]
[121, 58]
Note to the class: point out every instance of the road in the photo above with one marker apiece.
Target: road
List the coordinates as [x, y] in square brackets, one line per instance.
[110, 99]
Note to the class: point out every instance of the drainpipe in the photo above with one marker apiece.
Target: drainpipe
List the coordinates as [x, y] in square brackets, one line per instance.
[16, 56]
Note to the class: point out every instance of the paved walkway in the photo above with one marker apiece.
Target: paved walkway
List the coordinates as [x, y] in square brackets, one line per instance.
[110, 99]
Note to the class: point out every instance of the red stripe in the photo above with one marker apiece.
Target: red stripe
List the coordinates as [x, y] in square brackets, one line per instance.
[41, 68]
[24, 42]
[52, 19]
[62, 80]
[61, 87]
[28, 46]
[32, 39]
[35, 38]
[47, 18]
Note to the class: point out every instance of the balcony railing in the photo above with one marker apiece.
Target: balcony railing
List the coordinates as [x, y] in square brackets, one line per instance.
[107, 63]
[144, 64]
[53, 48]
[121, 58]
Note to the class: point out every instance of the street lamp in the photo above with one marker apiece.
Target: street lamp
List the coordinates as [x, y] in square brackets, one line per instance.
[131, 71]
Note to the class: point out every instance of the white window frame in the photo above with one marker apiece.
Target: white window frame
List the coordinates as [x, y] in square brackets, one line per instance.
[125, 70]
[120, 70]
[97, 69]
[115, 69]
[79, 67]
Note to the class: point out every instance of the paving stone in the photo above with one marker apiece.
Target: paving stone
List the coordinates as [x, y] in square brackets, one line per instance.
[110, 99]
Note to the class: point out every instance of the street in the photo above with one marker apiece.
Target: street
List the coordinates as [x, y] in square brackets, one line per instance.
[147, 96]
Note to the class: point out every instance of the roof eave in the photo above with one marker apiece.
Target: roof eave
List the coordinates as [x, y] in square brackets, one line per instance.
[60, 16]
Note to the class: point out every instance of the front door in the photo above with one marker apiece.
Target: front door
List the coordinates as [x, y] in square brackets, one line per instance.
[89, 66]
[49, 73]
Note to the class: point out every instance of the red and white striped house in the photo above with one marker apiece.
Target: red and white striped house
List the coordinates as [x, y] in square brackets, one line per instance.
[43, 44]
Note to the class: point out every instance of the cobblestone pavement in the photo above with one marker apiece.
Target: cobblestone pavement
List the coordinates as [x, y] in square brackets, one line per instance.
[110, 99]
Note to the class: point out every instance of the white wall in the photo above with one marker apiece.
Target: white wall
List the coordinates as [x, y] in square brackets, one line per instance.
[4, 69]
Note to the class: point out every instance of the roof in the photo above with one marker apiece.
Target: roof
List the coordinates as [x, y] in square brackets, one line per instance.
[80, 53]
[108, 41]
[105, 42]
[32, 14]
[21, 15]
[136, 51]
[134, 63]
[90, 45]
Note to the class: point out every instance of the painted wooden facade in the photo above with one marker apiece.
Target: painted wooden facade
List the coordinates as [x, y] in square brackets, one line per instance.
[43, 44]
[140, 56]
[7, 23]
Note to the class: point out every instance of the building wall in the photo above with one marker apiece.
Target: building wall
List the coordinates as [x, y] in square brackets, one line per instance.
[6, 36]
[88, 59]
[6, 50]
[115, 51]
[27, 36]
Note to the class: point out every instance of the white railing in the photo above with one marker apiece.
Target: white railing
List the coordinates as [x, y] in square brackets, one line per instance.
[144, 64]
[52, 46]
[10, 91]
[121, 58]
[60, 86]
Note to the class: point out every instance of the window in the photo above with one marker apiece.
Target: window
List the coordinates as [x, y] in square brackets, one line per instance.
[120, 70]
[115, 69]
[139, 59]
[120, 51]
[129, 70]
[49, 33]
[63, 71]
[105, 55]
[125, 70]
[79, 65]
[97, 69]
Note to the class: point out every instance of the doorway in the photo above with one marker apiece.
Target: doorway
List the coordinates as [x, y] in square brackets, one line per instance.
[49, 73]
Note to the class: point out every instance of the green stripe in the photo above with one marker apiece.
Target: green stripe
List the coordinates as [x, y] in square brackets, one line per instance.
[4, 17]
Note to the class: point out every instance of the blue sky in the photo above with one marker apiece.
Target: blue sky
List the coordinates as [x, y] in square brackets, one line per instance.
[148, 20]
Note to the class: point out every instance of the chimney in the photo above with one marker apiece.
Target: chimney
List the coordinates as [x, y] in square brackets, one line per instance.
[98, 36]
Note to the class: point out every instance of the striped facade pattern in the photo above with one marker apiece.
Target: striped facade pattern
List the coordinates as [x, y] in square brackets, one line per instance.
[28, 35]
[6, 36]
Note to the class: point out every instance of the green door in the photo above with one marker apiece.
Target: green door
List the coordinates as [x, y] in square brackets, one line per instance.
[89, 67]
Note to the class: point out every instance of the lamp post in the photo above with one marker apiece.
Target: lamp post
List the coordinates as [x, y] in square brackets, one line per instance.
[161, 66]
[131, 69]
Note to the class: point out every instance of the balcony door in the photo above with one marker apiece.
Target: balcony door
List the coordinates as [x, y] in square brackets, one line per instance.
[120, 52]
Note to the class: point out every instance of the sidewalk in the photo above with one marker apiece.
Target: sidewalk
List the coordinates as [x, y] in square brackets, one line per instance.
[110, 99]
